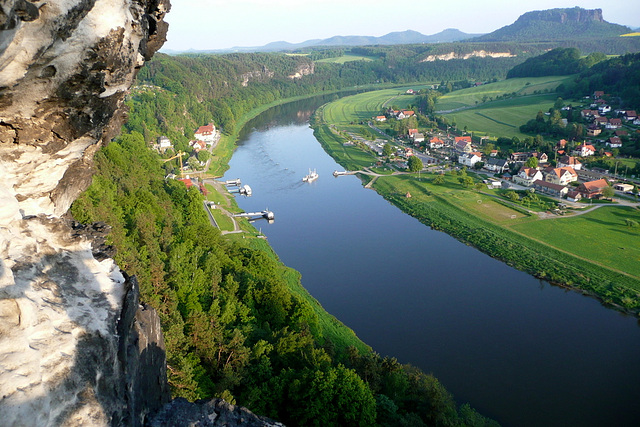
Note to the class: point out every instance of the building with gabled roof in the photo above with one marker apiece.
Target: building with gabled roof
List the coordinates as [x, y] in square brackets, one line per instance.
[527, 176]
[593, 189]
[570, 162]
[550, 188]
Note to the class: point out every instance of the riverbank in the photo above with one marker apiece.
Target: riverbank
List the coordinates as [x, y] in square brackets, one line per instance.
[459, 218]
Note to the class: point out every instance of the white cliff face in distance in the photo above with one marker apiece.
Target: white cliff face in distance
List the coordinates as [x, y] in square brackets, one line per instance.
[65, 67]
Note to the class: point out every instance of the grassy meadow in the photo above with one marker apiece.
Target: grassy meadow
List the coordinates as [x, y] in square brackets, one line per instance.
[345, 58]
[364, 106]
[520, 86]
[502, 117]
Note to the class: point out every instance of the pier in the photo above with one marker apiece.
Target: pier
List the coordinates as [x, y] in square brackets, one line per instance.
[266, 214]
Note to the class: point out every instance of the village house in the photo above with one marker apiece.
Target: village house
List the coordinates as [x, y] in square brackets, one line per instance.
[436, 142]
[601, 121]
[520, 156]
[381, 118]
[585, 150]
[574, 196]
[496, 165]
[598, 94]
[560, 176]
[630, 115]
[206, 133]
[592, 189]
[586, 114]
[418, 138]
[603, 109]
[527, 176]
[493, 153]
[469, 159]
[568, 161]
[614, 124]
[163, 144]
[614, 142]
[542, 158]
[198, 145]
[412, 133]
[594, 130]
[550, 188]
[463, 144]
[623, 187]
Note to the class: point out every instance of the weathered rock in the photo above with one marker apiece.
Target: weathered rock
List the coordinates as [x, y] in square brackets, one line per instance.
[65, 67]
[203, 413]
[76, 348]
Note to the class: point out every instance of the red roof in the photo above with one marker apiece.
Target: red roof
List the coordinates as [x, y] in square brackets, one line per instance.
[596, 185]
[463, 138]
[205, 130]
[186, 181]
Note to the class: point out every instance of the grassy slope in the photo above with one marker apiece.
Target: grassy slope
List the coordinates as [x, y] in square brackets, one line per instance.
[345, 58]
[545, 248]
[501, 117]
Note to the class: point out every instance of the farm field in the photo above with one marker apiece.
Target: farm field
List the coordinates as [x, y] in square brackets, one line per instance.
[610, 241]
[521, 86]
[364, 106]
[345, 58]
[504, 117]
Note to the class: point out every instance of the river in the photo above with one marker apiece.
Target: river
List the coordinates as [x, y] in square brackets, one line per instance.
[516, 348]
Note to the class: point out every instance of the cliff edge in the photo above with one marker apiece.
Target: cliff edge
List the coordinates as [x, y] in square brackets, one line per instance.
[76, 346]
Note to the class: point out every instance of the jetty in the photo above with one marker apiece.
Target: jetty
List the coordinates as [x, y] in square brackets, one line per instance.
[266, 214]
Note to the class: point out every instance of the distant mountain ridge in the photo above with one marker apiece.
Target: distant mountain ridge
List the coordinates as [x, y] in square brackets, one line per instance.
[556, 24]
[399, 37]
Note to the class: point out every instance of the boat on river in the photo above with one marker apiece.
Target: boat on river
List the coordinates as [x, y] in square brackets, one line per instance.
[311, 176]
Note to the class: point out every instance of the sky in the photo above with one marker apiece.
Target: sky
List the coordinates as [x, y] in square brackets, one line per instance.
[221, 24]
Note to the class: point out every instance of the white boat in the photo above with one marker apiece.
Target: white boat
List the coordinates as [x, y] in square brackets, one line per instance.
[312, 176]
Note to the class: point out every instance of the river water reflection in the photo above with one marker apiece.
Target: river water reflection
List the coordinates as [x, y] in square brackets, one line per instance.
[517, 349]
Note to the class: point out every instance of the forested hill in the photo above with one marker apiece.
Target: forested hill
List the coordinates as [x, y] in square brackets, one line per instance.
[225, 87]
[557, 62]
[557, 24]
[618, 77]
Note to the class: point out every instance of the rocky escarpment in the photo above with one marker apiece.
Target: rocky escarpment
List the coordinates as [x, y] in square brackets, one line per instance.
[76, 347]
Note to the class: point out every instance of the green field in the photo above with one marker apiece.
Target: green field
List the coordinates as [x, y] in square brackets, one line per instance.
[345, 58]
[611, 242]
[521, 86]
[502, 118]
[365, 106]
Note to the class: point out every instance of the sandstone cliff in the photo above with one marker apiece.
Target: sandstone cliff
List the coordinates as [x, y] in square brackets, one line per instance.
[76, 347]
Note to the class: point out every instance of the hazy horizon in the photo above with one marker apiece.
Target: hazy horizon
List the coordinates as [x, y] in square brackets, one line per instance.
[222, 24]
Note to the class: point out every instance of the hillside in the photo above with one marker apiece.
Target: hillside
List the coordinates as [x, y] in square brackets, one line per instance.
[557, 24]
[558, 62]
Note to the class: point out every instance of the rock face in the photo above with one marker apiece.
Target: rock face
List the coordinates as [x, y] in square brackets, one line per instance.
[76, 347]
[213, 413]
[65, 67]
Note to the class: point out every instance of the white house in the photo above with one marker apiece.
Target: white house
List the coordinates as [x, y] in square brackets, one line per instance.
[614, 142]
[585, 150]
[496, 165]
[560, 176]
[436, 142]
[469, 159]
[527, 176]
[567, 161]
[206, 133]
